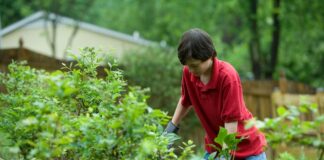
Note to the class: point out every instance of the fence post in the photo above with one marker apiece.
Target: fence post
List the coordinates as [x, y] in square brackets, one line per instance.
[283, 84]
[319, 97]
[21, 52]
[276, 100]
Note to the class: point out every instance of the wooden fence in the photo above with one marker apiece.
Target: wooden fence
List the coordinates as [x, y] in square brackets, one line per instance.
[262, 98]
[34, 60]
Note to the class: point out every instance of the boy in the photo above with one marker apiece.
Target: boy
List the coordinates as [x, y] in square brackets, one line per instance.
[213, 88]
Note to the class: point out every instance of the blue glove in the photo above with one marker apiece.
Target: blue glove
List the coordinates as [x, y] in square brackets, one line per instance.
[171, 128]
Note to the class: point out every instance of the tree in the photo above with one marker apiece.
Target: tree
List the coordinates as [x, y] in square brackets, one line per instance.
[278, 35]
[264, 66]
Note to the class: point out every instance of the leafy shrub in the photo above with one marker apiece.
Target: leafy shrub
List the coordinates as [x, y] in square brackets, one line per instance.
[159, 70]
[75, 115]
[290, 128]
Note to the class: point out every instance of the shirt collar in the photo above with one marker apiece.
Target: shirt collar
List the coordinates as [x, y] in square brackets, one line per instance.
[212, 84]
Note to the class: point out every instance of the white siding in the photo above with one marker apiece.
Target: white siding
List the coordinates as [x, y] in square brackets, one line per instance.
[34, 38]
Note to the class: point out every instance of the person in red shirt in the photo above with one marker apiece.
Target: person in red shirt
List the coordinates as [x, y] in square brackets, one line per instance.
[213, 89]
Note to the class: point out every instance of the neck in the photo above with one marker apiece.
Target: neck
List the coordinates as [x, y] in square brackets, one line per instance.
[205, 77]
[208, 72]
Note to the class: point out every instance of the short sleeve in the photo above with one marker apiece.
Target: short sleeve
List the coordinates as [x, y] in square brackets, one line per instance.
[233, 104]
[185, 98]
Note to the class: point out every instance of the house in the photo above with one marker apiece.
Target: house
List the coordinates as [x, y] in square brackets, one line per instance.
[36, 33]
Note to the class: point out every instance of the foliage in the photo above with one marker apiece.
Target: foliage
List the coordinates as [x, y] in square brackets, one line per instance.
[75, 115]
[228, 21]
[304, 44]
[301, 36]
[228, 143]
[291, 127]
[286, 156]
[10, 13]
[159, 70]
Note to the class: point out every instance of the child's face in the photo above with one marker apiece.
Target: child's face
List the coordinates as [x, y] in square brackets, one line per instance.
[198, 67]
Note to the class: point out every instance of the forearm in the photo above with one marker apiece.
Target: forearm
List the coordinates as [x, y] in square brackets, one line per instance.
[179, 113]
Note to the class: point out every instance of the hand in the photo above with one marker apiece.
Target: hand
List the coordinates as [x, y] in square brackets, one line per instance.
[173, 129]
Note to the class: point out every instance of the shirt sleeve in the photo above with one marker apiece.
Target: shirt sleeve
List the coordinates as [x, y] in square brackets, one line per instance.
[233, 103]
[185, 99]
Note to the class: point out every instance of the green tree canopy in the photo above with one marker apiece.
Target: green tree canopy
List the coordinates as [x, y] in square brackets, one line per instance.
[299, 43]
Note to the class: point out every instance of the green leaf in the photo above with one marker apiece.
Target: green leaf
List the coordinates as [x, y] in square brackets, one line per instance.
[320, 118]
[282, 111]
[221, 136]
[249, 124]
[14, 149]
[317, 143]
[303, 108]
[314, 107]
[212, 156]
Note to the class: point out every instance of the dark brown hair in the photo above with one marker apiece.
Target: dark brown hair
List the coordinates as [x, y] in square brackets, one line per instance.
[197, 44]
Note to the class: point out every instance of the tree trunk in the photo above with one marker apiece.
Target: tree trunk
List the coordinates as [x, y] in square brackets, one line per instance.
[254, 44]
[275, 39]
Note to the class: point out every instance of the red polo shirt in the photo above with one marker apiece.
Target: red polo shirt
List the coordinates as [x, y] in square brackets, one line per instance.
[220, 101]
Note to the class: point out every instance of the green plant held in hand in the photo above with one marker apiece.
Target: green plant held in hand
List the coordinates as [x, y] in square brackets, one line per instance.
[75, 115]
[228, 144]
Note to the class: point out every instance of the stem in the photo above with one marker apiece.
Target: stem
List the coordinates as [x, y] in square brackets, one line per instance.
[55, 133]
[321, 155]
[234, 153]
[80, 106]
[78, 110]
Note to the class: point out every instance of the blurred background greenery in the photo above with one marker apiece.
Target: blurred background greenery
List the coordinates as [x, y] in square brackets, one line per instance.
[295, 36]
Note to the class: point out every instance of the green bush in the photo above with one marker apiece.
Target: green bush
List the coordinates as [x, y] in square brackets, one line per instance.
[75, 115]
[159, 70]
[291, 128]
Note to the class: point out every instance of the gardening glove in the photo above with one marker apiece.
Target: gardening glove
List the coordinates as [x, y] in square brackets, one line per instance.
[171, 128]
